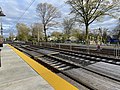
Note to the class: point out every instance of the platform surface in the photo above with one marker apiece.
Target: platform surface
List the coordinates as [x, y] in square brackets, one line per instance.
[15, 74]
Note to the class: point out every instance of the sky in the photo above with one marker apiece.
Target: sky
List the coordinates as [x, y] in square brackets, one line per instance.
[15, 13]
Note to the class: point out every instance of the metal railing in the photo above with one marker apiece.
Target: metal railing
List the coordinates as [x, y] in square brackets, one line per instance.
[108, 51]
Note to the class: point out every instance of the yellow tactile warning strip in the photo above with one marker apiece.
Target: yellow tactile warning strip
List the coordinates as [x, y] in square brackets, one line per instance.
[55, 81]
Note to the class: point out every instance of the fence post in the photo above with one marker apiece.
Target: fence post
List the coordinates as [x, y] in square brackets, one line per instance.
[70, 46]
[59, 45]
[116, 51]
[51, 44]
[88, 49]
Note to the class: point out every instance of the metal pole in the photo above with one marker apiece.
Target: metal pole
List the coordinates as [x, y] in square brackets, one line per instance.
[1, 14]
[59, 45]
[70, 46]
[1, 30]
[0, 57]
[116, 51]
[51, 44]
[88, 48]
[1, 34]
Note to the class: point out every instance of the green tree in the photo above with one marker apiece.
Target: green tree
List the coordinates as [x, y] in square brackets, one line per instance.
[87, 11]
[64, 37]
[57, 35]
[77, 34]
[48, 15]
[23, 32]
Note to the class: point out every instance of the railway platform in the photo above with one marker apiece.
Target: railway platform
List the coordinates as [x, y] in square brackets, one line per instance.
[20, 72]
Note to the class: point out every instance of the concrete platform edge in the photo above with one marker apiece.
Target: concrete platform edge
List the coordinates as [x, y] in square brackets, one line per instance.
[55, 81]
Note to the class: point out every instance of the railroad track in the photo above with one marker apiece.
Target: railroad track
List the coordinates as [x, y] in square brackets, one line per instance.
[65, 60]
[56, 62]
[108, 52]
[82, 58]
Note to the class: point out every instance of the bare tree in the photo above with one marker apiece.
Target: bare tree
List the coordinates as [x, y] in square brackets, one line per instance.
[87, 11]
[68, 25]
[37, 31]
[48, 14]
[116, 31]
[105, 35]
[11, 36]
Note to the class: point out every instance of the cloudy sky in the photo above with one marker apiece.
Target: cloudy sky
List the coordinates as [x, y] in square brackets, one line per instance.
[15, 13]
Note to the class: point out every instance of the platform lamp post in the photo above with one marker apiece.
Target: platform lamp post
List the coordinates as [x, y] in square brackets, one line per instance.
[1, 40]
[1, 15]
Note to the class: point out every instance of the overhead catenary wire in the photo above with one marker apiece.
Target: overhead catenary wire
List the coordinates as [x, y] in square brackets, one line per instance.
[17, 21]
[23, 14]
[61, 6]
[12, 26]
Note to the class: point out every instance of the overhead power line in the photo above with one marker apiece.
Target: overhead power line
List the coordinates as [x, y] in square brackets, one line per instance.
[23, 13]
